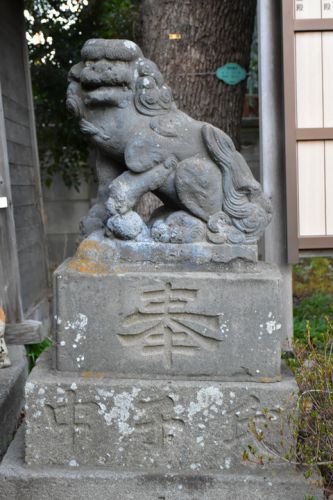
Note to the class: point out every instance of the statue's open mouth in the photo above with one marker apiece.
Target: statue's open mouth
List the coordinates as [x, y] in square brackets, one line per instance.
[117, 74]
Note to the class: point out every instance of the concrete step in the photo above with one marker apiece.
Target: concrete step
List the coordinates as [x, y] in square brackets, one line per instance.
[12, 381]
[19, 482]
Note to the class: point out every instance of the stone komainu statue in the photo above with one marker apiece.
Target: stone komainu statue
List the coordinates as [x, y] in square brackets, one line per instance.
[127, 111]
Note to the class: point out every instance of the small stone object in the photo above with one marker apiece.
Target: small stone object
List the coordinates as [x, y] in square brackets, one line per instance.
[4, 358]
[129, 226]
[127, 111]
[179, 227]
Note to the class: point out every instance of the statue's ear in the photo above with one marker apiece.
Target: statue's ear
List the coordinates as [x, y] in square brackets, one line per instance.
[74, 101]
[75, 72]
[150, 99]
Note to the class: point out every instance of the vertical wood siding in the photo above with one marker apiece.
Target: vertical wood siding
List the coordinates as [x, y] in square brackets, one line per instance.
[23, 158]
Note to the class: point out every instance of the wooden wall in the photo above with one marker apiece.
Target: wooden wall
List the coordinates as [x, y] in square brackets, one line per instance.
[22, 154]
[308, 120]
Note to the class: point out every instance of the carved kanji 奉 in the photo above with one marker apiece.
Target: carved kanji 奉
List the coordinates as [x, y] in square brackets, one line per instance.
[162, 325]
[128, 112]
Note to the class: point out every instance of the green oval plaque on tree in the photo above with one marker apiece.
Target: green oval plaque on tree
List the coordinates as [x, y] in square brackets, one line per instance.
[231, 73]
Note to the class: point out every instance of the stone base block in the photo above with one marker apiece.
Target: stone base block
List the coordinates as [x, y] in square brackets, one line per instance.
[12, 381]
[157, 321]
[18, 482]
[144, 425]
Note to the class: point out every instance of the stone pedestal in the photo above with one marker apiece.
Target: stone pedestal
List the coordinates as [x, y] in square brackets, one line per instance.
[156, 373]
[160, 321]
[176, 426]
[12, 382]
[19, 482]
[92, 436]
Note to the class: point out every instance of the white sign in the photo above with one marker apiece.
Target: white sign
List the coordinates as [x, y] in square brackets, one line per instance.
[327, 9]
[313, 9]
[308, 9]
[3, 202]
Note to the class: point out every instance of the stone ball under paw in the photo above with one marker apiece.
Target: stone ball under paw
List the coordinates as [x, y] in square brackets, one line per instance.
[179, 227]
[160, 232]
[128, 226]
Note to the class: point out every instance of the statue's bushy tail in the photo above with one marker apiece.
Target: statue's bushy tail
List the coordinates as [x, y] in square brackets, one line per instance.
[244, 202]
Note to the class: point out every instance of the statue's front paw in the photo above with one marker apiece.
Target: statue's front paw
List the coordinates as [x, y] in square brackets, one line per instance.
[128, 227]
[118, 204]
[88, 128]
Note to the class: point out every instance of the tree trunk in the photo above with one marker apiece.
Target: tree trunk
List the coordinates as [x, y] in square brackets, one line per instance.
[213, 33]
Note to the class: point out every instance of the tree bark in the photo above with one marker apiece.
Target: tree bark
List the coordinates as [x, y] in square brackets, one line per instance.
[213, 33]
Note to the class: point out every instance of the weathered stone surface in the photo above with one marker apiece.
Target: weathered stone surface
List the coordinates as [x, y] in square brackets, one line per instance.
[127, 111]
[159, 425]
[19, 482]
[103, 253]
[12, 380]
[151, 321]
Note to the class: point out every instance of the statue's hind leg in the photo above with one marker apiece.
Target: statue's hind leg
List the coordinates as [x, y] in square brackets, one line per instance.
[199, 187]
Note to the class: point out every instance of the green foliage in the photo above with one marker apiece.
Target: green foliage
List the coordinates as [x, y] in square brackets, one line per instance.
[313, 299]
[35, 350]
[308, 420]
[313, 276]
[314, 375]
[315, 311]
[313, 363]
[311, 420]
[56, 31]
